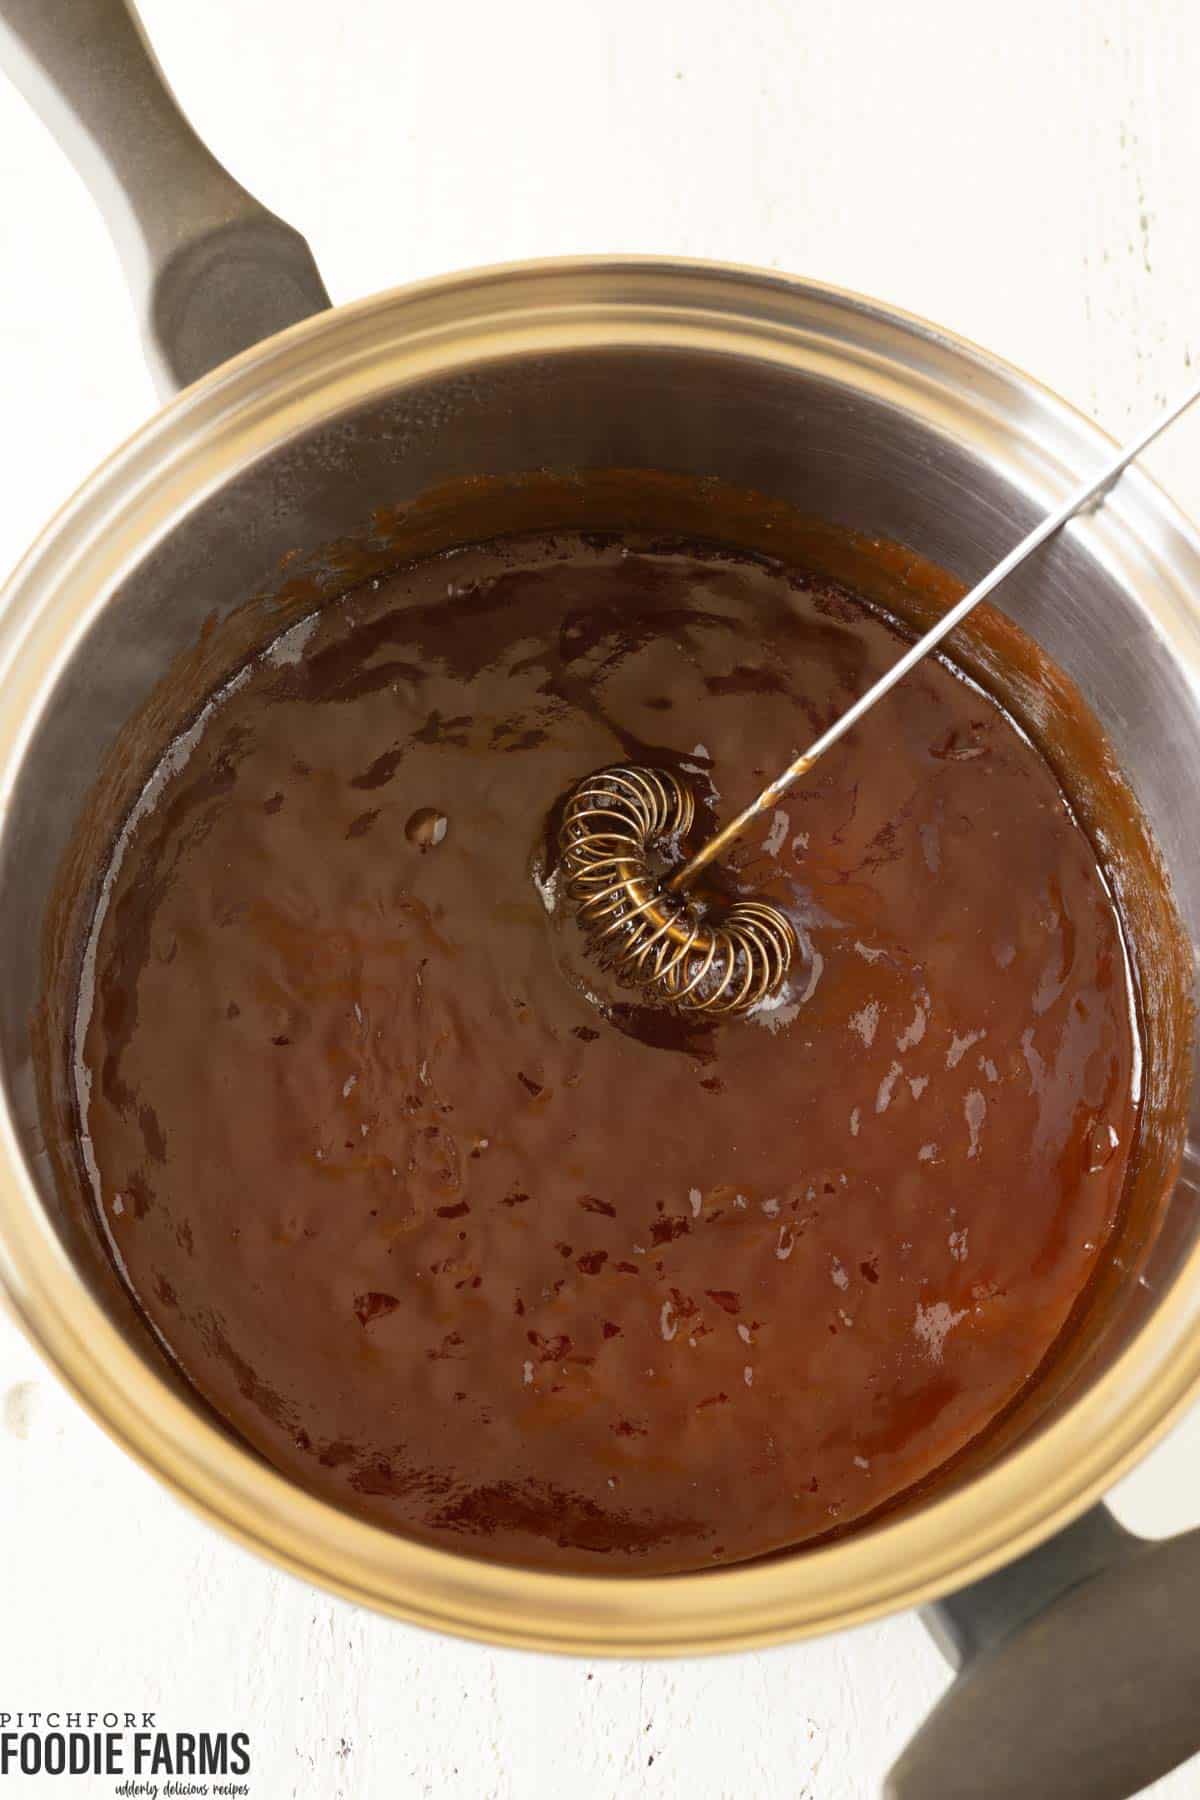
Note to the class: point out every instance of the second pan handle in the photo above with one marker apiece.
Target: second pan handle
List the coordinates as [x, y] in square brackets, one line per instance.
[210, 269]
[1077, 1673]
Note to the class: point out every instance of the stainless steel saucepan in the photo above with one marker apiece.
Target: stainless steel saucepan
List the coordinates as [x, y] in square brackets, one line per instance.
[306, 443]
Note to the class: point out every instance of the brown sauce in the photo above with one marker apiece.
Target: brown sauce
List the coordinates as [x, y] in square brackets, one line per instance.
[571, 1283]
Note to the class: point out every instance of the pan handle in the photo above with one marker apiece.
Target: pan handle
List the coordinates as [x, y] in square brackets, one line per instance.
[1077, 1672]
[210, 269]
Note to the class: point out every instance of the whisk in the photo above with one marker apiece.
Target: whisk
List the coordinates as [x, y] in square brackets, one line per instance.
[650, 936]
[622, 826]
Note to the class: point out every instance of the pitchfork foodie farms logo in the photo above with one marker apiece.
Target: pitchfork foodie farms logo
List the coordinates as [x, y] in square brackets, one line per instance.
[143, 1762]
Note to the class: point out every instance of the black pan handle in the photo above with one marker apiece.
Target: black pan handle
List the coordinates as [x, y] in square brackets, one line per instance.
[211, 270]
[1077, 1673]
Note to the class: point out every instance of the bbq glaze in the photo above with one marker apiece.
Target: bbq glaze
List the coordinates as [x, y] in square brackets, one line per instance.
[460, 1236]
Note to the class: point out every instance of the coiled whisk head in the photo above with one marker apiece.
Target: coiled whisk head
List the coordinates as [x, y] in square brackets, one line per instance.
[649, 936]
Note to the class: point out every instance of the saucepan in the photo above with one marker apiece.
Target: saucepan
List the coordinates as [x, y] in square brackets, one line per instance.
[306, 444]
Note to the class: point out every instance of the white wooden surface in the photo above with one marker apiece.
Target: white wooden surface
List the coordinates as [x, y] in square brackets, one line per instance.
[1025, 174]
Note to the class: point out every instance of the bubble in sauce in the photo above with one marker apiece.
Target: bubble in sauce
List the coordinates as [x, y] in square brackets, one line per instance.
[426, 828]
[1100, 1146]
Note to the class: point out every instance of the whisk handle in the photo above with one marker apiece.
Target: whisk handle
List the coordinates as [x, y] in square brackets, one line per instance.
[1088, 490]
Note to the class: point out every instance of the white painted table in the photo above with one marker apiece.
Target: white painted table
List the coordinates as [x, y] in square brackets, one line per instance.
[1025, 175]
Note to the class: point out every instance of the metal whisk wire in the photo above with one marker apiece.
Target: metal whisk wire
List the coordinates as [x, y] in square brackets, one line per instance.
[648, 936]
[646, 929]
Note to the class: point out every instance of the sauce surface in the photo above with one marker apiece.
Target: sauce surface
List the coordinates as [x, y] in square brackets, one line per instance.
[470, 1242]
